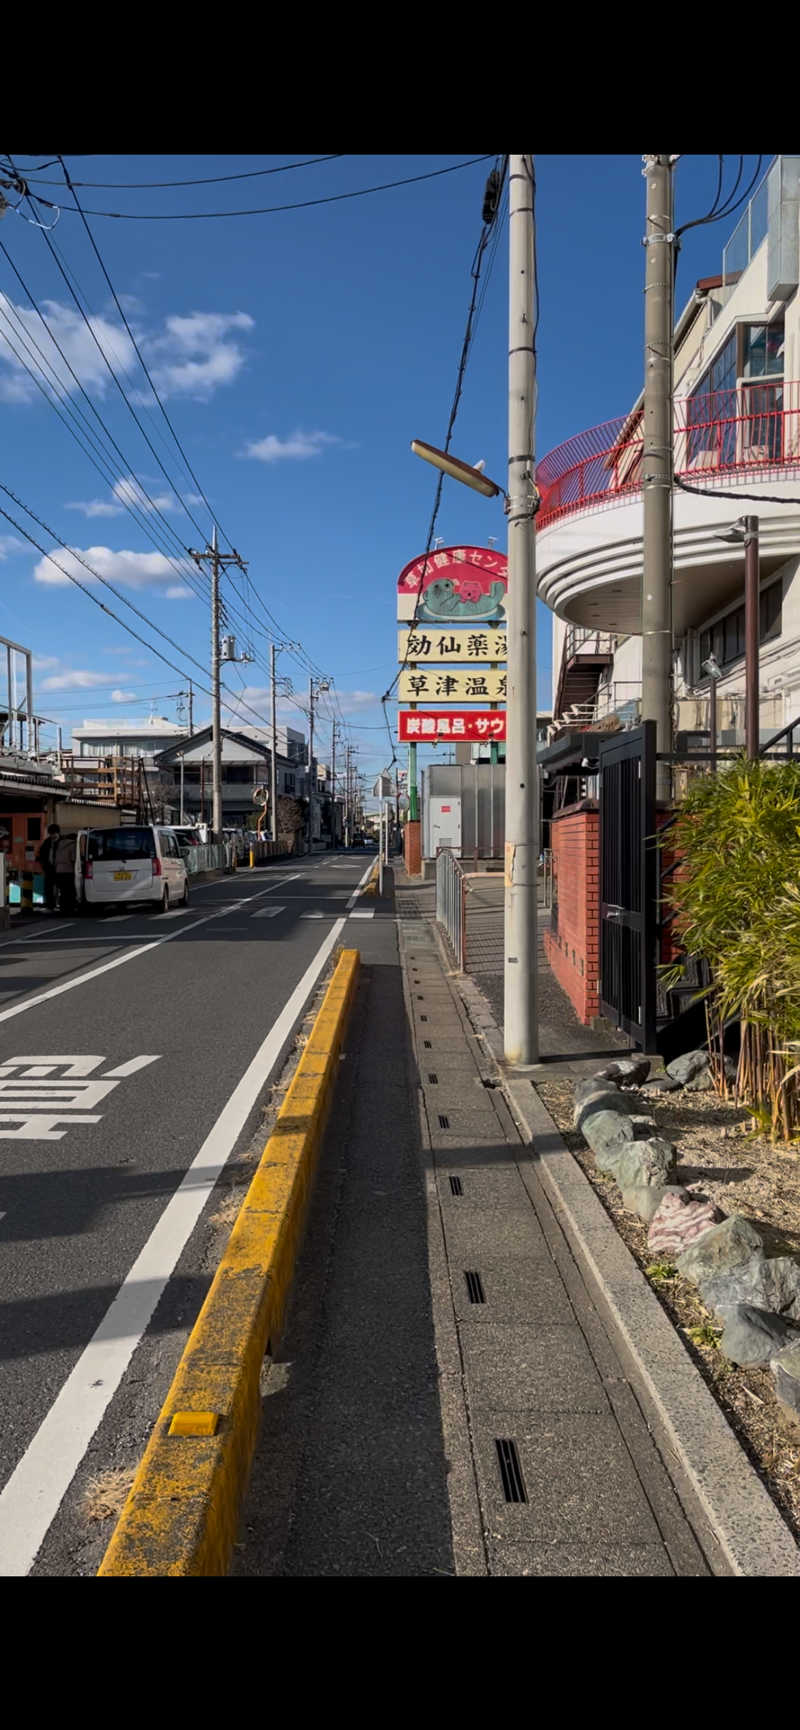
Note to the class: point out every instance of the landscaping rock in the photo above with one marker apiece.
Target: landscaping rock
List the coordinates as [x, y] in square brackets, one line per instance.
[591, 1085]
[661, 1084]
[601, 1100]
[646, 1199]
[769, 1285]
[646, 1162]
[727, 1246]
[786, 1370]
[626, 1072]
[752, 1336]
[701, 1083]
[679, 1221]
[608, 1133]
[685, 1068]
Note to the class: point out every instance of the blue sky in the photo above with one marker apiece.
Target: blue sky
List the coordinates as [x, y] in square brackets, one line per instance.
[297, 354]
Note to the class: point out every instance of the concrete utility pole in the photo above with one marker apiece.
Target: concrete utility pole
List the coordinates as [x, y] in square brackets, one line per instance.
[218, 561]
[311, 772]
[216, 736]
[751, 636]
[657, 461]
[191, 709]
[273, 774]
[522, 782]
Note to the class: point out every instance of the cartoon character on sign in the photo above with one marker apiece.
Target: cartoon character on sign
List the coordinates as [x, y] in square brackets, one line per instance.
[455, 583]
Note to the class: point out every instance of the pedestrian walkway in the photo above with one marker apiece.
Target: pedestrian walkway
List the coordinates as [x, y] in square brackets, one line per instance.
[446, 1398]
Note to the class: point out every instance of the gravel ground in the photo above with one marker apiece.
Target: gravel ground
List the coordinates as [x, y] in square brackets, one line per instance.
[717, 1157]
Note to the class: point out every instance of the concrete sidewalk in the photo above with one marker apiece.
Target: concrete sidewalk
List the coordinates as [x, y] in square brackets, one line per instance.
[445, 1399]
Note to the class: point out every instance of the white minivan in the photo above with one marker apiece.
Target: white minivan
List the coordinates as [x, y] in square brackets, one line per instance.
[131, 863]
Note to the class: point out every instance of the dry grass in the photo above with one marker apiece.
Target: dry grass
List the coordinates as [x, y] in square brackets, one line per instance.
[717, 1157]
[105, 1496]
[228, 1211]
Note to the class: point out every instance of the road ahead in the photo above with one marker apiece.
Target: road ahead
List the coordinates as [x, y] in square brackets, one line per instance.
[135, 1051]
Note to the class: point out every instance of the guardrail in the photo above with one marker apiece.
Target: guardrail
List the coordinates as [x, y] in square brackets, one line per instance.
[450, 896]
[208, 857]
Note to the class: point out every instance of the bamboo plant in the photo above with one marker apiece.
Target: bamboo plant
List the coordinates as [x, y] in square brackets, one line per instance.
[737, 898]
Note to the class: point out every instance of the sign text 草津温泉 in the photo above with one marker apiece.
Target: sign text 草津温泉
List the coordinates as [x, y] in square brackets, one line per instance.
[452, 684]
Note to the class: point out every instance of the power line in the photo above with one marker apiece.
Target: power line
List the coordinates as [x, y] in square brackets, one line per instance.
[492, 196]
[142, 362]
[716, 493]
[727, 209]
[106, 472]
[271, 209]
[127, 465]
[210, 180]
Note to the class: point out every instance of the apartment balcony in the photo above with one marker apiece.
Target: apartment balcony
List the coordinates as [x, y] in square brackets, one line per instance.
[589, 526]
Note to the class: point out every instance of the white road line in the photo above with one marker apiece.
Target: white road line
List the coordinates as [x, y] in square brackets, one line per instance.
[267, 912]
[363, 913]
[316, 914]
[35, 936]
[130, 955]
[133, 1065]
[37, 1486]
[359, 886]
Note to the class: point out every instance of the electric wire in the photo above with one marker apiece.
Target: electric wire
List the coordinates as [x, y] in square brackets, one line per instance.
[270, 209]
[210, 180]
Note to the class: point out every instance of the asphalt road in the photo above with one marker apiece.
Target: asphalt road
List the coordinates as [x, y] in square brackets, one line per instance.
[135, 1053]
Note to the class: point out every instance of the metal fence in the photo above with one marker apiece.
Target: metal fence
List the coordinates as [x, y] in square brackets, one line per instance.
[217, 857]
[450, 895]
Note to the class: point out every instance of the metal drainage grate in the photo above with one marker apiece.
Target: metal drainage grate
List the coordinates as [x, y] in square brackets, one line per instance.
[510, 1470]
[444, 1121]
[456, 1186]
[475, 1290]
[433, 1078]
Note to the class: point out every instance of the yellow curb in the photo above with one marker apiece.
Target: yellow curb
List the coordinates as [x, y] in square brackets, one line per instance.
[182, 1513]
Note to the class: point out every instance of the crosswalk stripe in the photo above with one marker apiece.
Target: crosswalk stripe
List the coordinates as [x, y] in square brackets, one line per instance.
[317, 914]
[363, 913]
[267, 912]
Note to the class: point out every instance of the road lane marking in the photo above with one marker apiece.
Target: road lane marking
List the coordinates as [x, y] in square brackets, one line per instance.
[359, 886]
[267, 912]
[37, 1486]
[317, 914]
[363, 913]
[131, 954]
[35, 1101]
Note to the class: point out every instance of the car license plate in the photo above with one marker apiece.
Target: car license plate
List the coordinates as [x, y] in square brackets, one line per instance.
[122, 876]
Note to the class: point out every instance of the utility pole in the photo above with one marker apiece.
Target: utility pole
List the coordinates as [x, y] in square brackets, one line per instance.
[657, 461]
[333, 779]
[315, 687]
[191, 709]
[347, 795]
[218, 561]
[521, 1034]
[273, 774]
[751, 636]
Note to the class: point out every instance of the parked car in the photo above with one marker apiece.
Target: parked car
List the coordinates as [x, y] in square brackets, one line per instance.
[139, 862]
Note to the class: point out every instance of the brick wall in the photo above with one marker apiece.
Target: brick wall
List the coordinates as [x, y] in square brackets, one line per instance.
[572, 946]
[412, 847]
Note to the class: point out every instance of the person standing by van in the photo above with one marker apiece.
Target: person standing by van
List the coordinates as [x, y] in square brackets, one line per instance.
[65, 873]
[47, 860]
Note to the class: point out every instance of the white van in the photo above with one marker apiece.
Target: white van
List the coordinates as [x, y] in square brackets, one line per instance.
[131, 863]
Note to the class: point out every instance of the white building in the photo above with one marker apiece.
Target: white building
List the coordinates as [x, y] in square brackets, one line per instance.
[736, 430]
[138, 738]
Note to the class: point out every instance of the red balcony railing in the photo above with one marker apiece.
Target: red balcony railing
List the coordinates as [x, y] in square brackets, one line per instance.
[755, 427]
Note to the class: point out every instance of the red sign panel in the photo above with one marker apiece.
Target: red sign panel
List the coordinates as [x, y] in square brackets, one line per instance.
[454, 586]
[468, 724]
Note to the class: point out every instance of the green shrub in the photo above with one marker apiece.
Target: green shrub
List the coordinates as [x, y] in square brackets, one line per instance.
[738, 901]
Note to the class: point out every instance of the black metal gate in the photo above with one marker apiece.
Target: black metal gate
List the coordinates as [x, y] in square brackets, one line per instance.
[629, 883]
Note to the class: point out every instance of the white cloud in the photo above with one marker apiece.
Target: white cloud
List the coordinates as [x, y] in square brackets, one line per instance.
[40, 662]
[133, 570]
[74, 337]
[178, 592]
[75, 679]
[195, 354]
[10, 544]
[354, 702]
[122, 696]
[127, 491]
[297, 448]
[186, 355]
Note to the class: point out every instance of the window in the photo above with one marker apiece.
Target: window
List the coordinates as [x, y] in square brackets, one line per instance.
[712, 408]
[725, 639]
[34, 828]
[122, 844]
[762, 350]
